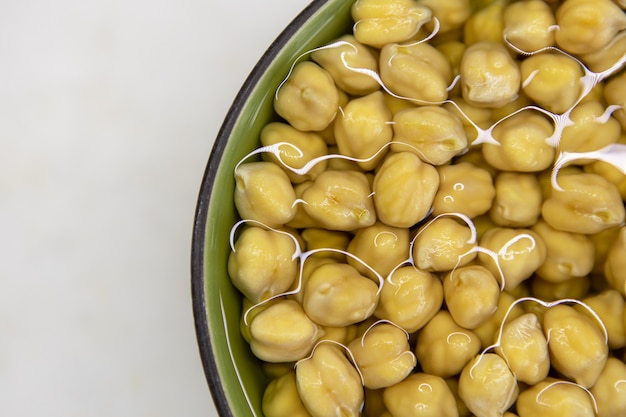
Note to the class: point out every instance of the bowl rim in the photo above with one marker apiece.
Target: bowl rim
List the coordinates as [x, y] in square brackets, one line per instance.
[203, 202]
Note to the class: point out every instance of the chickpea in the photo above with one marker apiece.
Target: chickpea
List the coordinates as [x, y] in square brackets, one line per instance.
[264, 193]
[380, 22]
[262, 264]
[340, 60]
[465, 189]
[471, 294]
[576, 287]
[320, 239]
[605, 58]
[609, 390]
[487, 386]
[374, 404]
[615, 266]
[615, 94]
[383, 356]
[308, 99]
[382, 247]
[404, 188]
[525, 349]
[602, 243]
[485, 24]
[519, 252]
[587, 25]
[328, 383]
[340, 200]
[433, 133]
[443, 244]
[528, 25]
[418, 72]
[609, 306]
[585, 203]
[337, 295]
[518, 199]
[443, 347]
[299, 149]
[609, 172]
[420, 394]
[552, 80]
[410, 298]
[282, 332]
[281, 398]
[577, 347]
[568, 254]
[489, 76]
[589, 131]
[522, 144]
[363, 128]
[554, 398]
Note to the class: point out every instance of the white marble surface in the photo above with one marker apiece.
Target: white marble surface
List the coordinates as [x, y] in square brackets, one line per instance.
[108, 110]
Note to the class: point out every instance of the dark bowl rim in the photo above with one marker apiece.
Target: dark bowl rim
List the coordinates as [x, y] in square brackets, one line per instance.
[204, 197]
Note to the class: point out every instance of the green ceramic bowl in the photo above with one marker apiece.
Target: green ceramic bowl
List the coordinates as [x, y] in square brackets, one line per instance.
[235, 377]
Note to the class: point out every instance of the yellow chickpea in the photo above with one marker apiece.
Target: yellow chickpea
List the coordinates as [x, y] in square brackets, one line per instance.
[420, 394]
[340, 60]
[465, 189]
[489, 76]
[522, 144]
[518, 199]
[553, 398]
[451, 14]
[264, 193]
[615, 94]
[528, 25]
[568, 254]
[433, 133]
[262, 263]
[383, 356]
[380, 22]
[363, 128]
[337, 295]
[590, 130]
[283, 333]
[410, 298]
[417, 72]
[328, 383]
[443, 347]
[587, 25]
[585, 203]
[381, 247]
[281, 398]
[471, 294]
[309, 99]
[577, 346]
[609, 306]
[487, 386]
[340, 200]
[518, 254]
[525, 349]
[443, 244]
[486, 23]
[609, 391]
[404, 189]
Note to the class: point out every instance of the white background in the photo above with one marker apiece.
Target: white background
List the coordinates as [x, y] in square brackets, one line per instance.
[108, 110]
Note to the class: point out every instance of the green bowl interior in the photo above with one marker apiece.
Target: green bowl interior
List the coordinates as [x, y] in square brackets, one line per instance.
[234, 374]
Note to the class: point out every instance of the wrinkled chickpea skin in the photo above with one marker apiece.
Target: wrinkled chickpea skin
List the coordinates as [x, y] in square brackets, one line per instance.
[425, 202]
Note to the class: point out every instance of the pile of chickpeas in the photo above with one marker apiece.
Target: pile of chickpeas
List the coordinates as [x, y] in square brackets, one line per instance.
[435, 225]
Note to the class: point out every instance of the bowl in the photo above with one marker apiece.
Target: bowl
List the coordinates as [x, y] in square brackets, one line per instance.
[234, 376]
